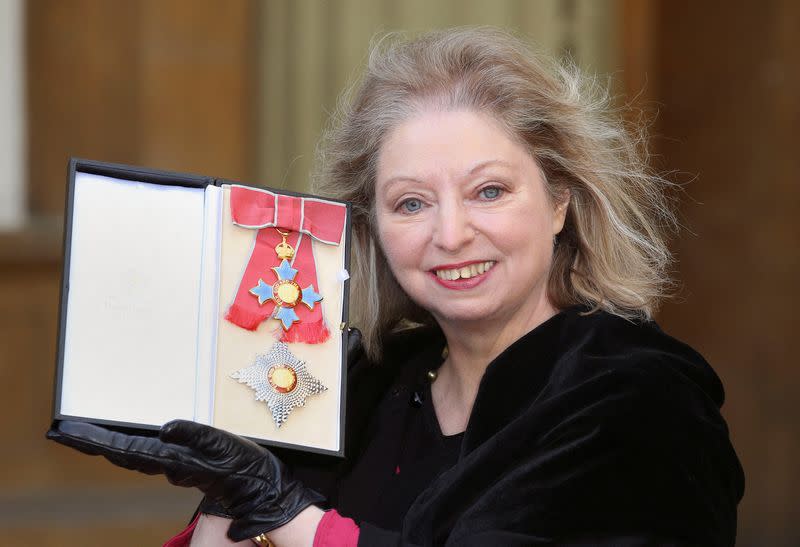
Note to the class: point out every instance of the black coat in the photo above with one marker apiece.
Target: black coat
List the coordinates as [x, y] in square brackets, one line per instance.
[589, 430]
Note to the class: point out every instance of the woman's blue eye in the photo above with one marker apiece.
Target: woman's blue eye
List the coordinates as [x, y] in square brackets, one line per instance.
[490, 192]
[411, 205]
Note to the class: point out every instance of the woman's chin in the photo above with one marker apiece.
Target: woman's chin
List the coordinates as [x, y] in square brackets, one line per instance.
[464, 316]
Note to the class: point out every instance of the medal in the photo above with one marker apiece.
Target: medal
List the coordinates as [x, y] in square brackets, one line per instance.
[285, 293]
[281, 380]
[309, 222]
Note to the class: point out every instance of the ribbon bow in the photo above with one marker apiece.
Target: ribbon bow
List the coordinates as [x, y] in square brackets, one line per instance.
[261, 210]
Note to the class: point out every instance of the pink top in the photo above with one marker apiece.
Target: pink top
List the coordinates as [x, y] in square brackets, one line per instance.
[333, 530]
[184, 538]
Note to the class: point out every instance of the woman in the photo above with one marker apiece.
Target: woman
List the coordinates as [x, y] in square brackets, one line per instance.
[510, 253]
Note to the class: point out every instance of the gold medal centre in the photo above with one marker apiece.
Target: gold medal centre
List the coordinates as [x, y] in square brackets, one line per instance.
[282, 378]
[286, 293]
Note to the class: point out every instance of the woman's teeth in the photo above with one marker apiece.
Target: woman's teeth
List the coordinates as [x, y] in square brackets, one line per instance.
[466, 272]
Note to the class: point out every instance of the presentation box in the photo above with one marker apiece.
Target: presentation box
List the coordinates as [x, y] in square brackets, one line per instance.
[203, 299]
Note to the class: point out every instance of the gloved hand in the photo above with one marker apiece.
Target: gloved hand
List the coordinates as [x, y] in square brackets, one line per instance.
[240, 479]
[254, 487]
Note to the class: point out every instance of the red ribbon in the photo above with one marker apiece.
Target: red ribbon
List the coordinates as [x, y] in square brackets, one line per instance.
[307, 219]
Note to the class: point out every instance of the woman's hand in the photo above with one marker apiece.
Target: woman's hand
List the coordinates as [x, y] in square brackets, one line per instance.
[253, 485]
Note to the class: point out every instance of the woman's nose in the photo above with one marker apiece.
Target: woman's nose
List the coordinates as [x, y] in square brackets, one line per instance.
[454, 228]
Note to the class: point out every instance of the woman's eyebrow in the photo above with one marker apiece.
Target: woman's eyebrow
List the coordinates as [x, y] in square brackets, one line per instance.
[402, 178]
[489, 163]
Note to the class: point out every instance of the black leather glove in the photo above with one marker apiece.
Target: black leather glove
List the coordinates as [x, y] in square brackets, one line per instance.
[254, 487]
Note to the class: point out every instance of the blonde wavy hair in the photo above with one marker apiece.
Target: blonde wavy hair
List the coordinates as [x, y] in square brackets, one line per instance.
[612, 252]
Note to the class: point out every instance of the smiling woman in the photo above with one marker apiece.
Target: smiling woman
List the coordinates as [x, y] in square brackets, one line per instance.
[513, 390]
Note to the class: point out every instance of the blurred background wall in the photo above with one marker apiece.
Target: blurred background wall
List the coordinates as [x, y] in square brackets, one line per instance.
[241, 89]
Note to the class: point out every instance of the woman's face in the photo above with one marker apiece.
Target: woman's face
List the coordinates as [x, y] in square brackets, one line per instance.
[464, 219]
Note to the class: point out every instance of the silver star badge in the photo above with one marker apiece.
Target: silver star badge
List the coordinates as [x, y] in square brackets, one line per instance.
[281, 380]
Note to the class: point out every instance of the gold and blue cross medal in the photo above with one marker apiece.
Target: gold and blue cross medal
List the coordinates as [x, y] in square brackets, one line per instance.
[285, 292]
[281, 380]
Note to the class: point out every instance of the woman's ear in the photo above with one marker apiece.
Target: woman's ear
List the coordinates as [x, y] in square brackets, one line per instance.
[560, 207]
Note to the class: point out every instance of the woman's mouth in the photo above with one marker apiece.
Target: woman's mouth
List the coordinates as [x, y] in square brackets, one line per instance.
[462, 276]
[463, 272]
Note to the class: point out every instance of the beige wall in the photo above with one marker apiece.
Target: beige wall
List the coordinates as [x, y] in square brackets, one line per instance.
[12, 112]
